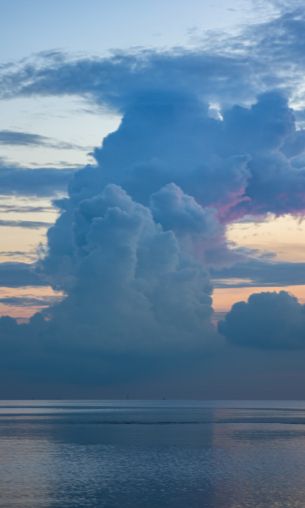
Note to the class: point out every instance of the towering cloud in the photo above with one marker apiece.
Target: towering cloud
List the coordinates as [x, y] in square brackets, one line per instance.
[133, 293]
[131, 285]
[140, 229]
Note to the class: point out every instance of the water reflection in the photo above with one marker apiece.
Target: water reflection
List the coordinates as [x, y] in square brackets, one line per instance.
[152, 454]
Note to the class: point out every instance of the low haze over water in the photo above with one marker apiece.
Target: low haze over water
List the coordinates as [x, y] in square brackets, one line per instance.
[150, 454]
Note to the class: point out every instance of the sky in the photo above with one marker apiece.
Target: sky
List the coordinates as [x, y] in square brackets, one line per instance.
[152, 197]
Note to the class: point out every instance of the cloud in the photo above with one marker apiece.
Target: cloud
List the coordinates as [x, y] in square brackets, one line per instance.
[246, 163]
[181, 213]
[29, 224]
[222, 69]
[28, 301]
[135, 299]
[259, 272]
[129, 277]
[238, 164]
[281, 39]
[206, 137]
[22, 208]
[267, 321]
[33, 182]
[198, 229]
[19, 138]
[139, 230]
[286, 5]
[117, 80]
[13, 274]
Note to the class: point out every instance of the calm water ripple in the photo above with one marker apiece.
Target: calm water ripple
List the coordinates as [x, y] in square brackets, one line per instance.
[62, 454]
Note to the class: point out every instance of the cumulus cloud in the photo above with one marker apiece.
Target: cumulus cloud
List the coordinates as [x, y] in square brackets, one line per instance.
[129, 277]
[141, 228]
[187, 177]
[238, 165]
[242, 164]
[134, 296]
[198, 229]
[267, 321]
[181, 213]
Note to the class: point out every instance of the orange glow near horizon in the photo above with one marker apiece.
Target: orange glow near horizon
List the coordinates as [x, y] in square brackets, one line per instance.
[224, 298]
[283, 236]
[45, 295]
[19, 243]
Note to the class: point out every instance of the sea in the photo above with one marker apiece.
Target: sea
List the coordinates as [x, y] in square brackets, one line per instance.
[152, 454]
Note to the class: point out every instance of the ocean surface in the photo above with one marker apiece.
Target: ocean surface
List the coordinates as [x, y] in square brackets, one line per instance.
[152, 454]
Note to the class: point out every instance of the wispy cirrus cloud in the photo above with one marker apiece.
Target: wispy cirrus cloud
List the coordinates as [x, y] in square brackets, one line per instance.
[15, 274]
[9, 208]
[28, 224]
[222, 68]
[258, 272]
[33, 182]
[29, 301]
[19, 138]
